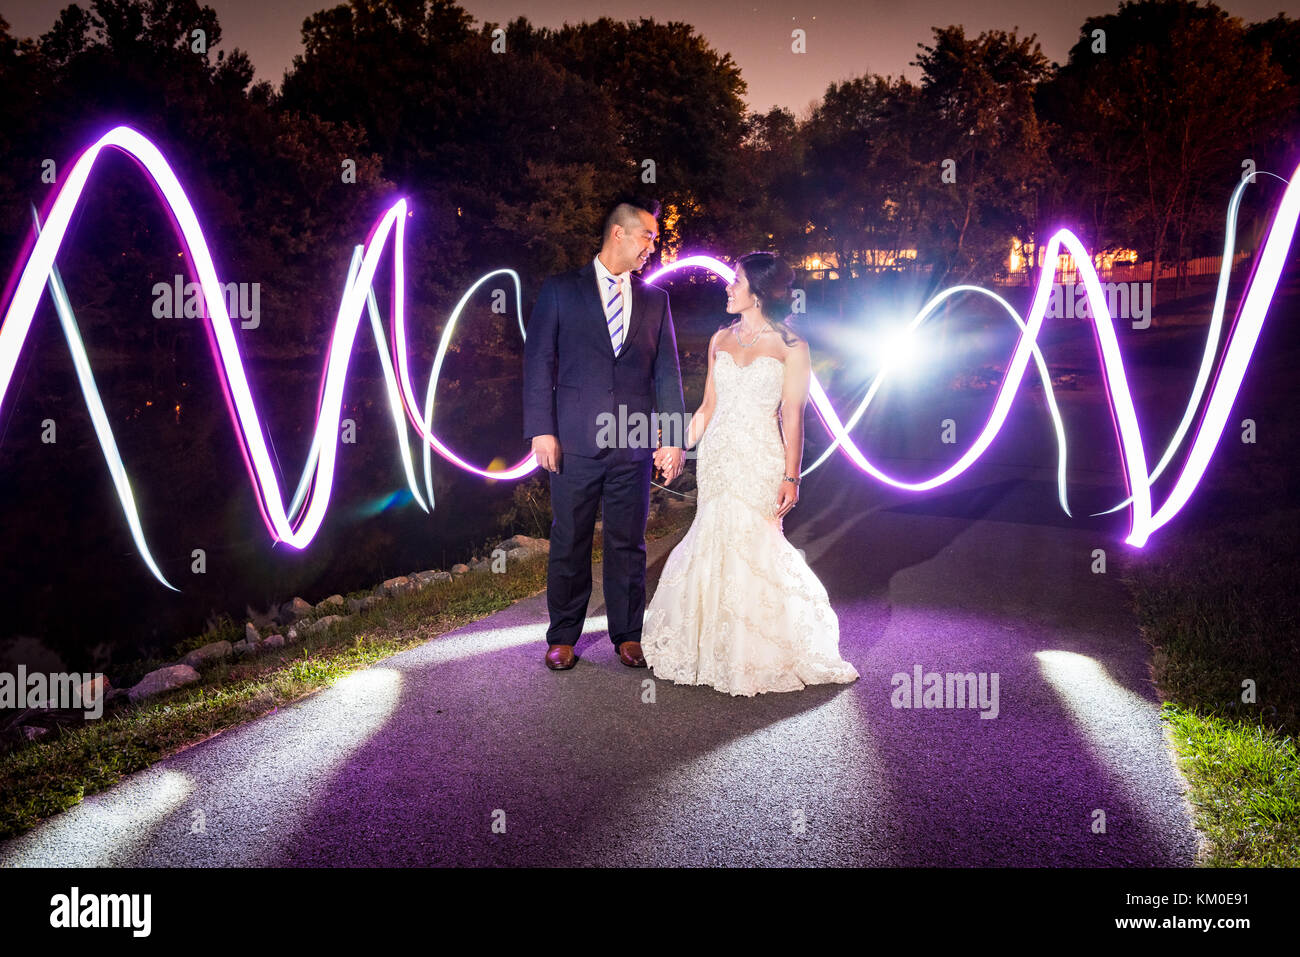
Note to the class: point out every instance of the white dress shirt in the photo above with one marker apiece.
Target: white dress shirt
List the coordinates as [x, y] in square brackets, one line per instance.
[625, 286]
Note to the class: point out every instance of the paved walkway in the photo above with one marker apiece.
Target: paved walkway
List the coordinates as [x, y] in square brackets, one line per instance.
[412, 761]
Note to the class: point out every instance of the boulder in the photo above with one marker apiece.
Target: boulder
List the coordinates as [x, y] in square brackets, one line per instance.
[291, 611]
[533, 545]
[211, 652]
[459, 569]
[251, 634]
[274, 641]
[333, 601]
[323, 624]
[162, 680]
[95, 689]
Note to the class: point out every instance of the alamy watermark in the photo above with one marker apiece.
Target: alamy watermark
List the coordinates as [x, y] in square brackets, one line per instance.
[61, 690]
[932, 689]
[181, 300]
[76, 909]
[638, 430]
[1124, 300]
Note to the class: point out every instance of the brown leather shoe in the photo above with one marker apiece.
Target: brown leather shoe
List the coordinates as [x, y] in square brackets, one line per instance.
[560, 657]
[629, 652]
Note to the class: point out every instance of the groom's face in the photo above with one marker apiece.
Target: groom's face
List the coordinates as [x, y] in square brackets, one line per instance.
[636, 239]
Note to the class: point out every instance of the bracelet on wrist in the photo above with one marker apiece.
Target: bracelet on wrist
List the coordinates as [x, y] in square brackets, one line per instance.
[787, 478]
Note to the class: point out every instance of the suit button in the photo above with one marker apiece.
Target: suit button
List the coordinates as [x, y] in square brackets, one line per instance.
[611, 391]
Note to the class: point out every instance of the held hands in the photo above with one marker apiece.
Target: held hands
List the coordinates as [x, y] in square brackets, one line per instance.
[547, 450]
[668, 460]
[786, 498]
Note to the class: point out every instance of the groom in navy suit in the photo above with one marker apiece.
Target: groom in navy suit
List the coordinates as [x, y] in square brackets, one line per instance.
[601, 355]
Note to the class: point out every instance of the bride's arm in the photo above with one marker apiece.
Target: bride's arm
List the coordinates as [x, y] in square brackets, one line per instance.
[794, 398]
[700, 420]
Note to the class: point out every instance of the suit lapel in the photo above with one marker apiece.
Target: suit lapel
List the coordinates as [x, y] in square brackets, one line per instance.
[638, 308]
[589, 296]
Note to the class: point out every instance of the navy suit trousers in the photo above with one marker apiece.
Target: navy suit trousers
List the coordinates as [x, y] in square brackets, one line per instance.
[619, 482]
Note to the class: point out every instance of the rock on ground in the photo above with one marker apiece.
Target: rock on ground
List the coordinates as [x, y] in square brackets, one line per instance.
[164, 679]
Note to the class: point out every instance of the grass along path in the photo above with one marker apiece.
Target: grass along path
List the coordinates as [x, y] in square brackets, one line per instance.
[1218, 602]
[1219, 608]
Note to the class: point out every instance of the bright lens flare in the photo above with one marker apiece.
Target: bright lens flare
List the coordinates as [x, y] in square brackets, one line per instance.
[899, 351]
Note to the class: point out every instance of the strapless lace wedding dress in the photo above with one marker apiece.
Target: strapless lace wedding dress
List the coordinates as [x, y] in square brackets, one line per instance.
[737, 607]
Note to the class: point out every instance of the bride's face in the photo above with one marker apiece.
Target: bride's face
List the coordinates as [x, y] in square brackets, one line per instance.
[739, 296]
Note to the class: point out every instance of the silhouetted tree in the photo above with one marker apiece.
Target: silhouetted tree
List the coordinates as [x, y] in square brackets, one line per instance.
[1160, 123]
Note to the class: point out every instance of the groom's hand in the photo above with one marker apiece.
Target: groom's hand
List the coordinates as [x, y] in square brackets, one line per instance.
[547, 450]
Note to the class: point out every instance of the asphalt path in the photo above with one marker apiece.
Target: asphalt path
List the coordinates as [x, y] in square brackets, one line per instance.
[466, 750]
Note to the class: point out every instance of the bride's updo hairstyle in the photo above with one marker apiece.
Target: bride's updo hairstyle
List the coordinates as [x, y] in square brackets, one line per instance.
[770, 278]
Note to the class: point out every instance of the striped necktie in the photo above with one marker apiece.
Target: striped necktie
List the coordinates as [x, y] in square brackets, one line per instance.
[614, 313]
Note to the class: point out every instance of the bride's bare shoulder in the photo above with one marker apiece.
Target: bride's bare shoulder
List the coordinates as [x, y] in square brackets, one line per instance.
[715, 339]
[795, 344]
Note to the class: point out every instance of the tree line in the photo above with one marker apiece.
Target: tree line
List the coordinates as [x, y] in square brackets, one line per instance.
[509, 139]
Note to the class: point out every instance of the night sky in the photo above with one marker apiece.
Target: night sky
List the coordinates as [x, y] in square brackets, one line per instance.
[846, 38]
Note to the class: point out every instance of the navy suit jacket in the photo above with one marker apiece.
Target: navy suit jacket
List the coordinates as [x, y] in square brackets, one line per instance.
[571, 376]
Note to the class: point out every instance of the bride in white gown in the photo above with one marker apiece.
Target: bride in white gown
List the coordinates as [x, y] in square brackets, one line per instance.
[737, 607]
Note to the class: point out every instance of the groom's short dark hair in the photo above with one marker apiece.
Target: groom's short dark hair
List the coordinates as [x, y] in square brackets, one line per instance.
[624, 207]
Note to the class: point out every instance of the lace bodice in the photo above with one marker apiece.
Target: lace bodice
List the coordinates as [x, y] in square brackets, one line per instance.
[743, 429]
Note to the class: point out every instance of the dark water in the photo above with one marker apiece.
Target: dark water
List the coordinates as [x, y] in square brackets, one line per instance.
[74, 583]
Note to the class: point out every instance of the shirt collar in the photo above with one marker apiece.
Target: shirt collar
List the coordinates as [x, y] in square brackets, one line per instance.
[602, 272]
